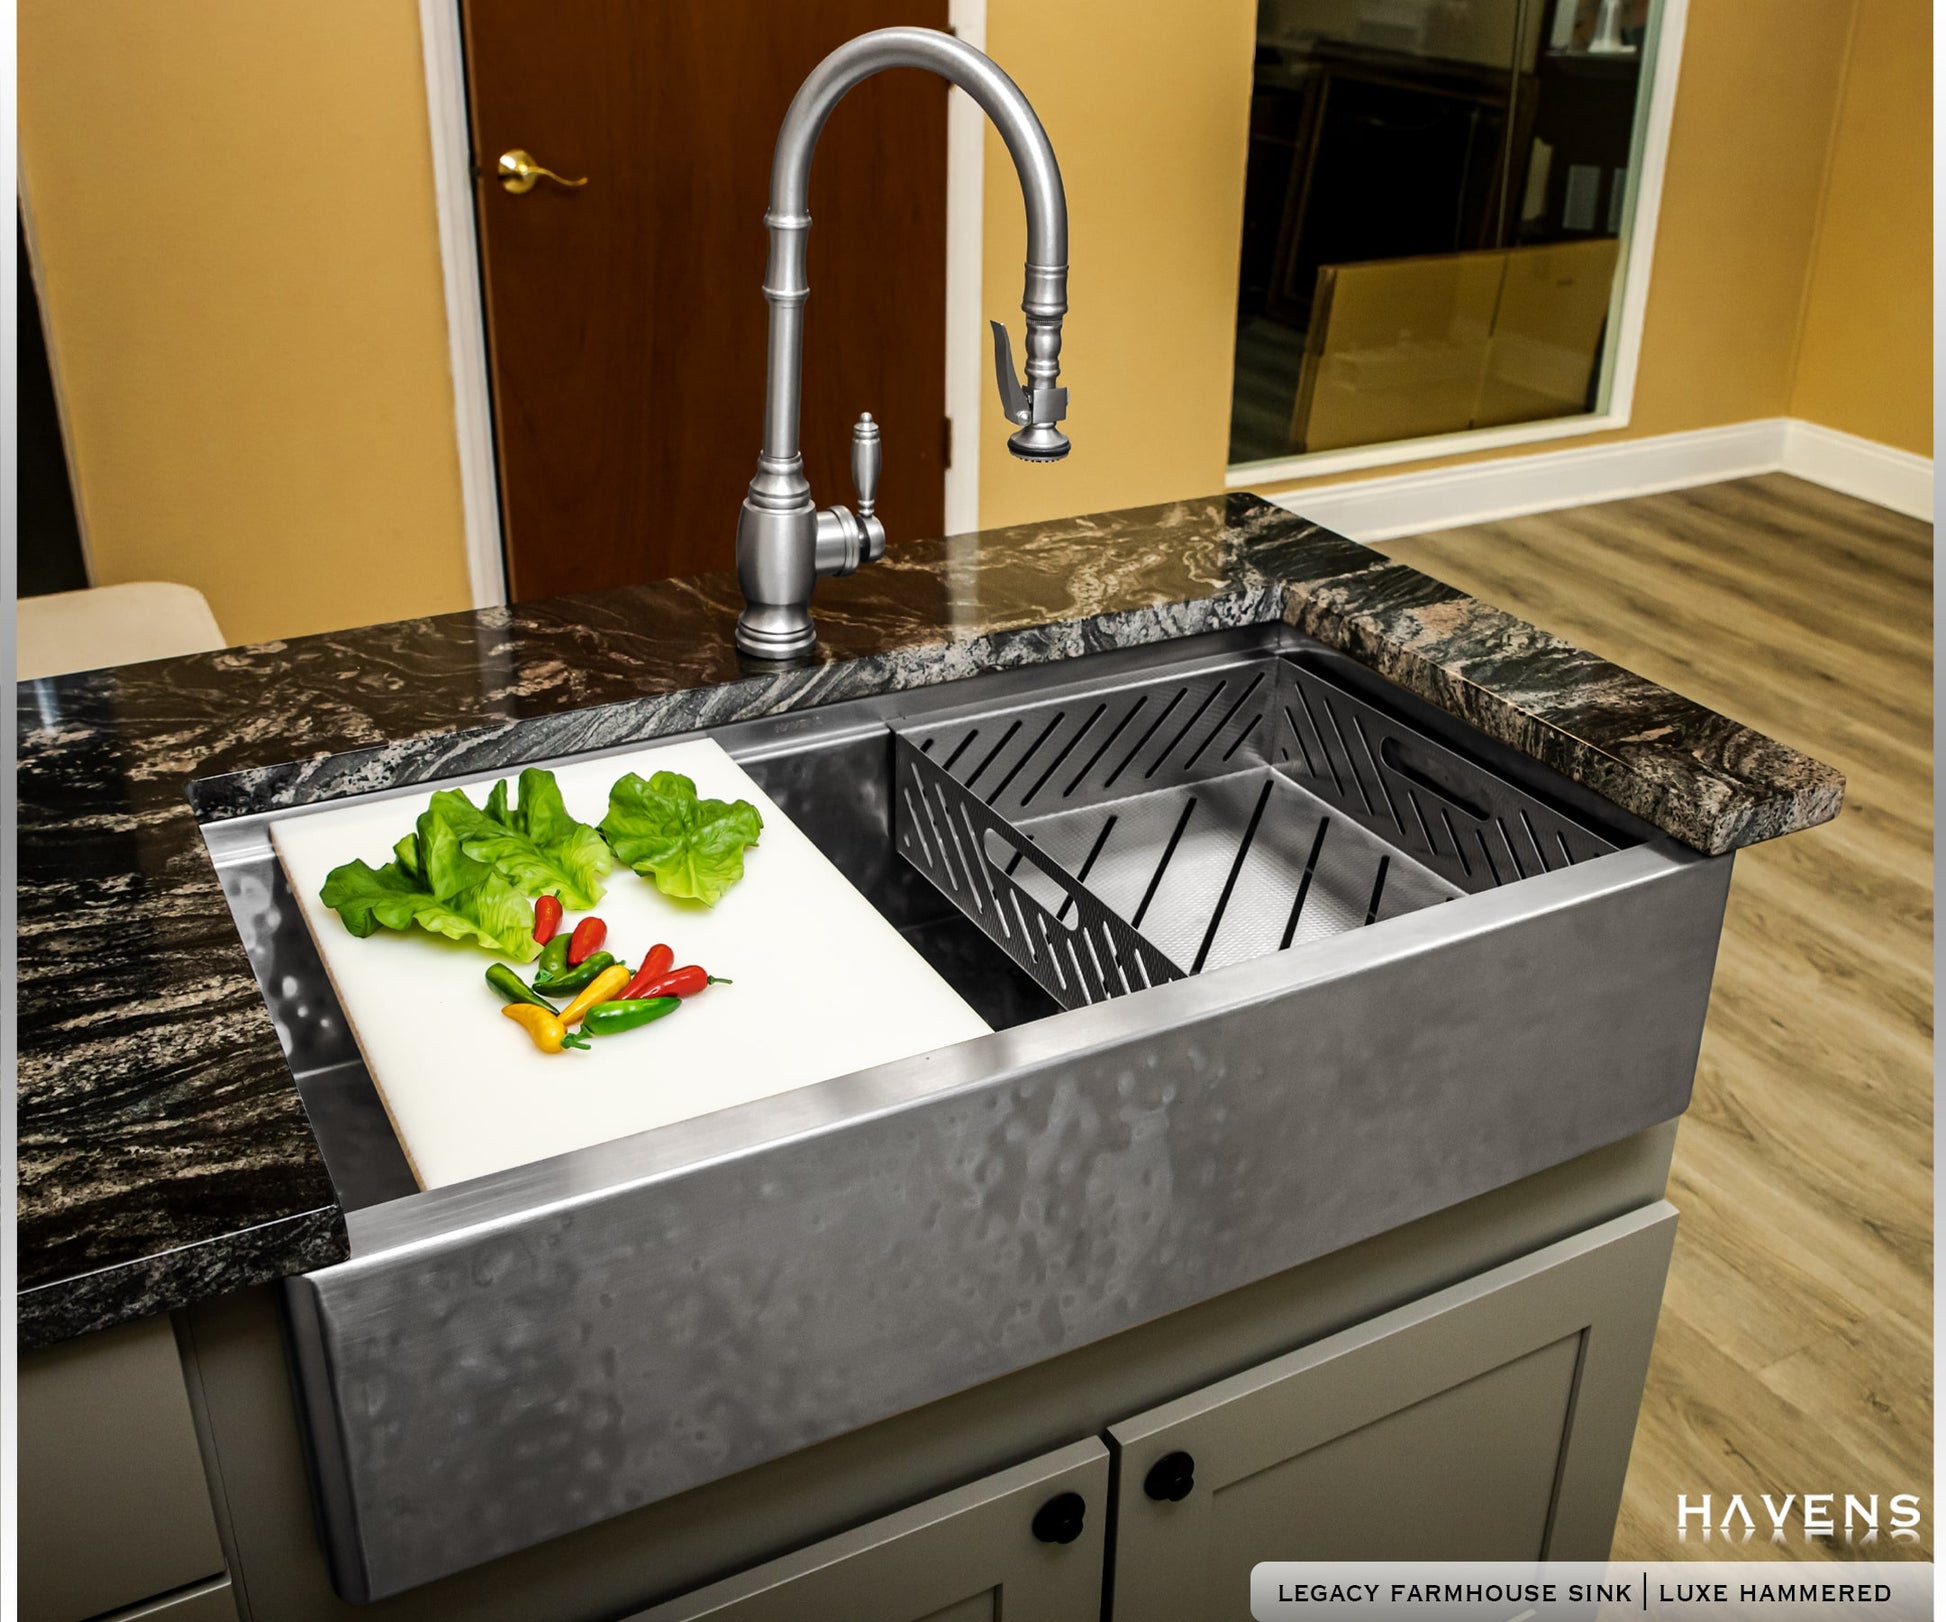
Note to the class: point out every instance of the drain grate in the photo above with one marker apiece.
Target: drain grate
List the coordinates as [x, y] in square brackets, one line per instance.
[1165, 827]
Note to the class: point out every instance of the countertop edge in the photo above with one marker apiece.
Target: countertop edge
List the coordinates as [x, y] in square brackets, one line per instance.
[67, 1308]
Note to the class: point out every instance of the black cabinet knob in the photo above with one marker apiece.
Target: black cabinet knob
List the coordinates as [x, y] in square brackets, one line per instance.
[1059, 1520]
[1171, 1478]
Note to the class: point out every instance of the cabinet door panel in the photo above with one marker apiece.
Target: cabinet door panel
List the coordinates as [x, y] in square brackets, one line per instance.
[1465, 1475]
[966, 1556]
[1490, 1420]
[114, 1507]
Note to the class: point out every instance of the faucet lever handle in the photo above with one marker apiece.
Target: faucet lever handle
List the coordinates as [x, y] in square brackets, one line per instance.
[1013, 398]
[867, 460]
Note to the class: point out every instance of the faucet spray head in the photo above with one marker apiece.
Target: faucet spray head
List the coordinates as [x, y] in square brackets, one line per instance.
[1038, 439]
[1039, 442]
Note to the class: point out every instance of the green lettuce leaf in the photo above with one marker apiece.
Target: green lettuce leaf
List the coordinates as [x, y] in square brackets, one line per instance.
[405, 854]
[692, 848]
[368, 899]
[431, 882]
[536, 845]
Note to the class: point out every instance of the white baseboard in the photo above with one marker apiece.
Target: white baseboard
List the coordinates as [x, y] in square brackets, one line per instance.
[1383, 508]
[1858, 467]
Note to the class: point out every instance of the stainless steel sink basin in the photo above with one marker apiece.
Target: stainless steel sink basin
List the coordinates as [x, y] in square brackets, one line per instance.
[1111, 837]
[1492, 972]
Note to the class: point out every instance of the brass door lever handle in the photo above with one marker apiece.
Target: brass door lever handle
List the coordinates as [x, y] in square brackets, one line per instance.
[519, 173]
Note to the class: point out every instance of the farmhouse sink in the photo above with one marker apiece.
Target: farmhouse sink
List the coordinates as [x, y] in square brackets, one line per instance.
[1277, 958]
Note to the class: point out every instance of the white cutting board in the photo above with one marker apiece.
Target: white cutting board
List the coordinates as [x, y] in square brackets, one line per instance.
[823, 986]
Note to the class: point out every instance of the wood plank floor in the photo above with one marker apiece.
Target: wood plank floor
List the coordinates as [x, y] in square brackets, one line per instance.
[1795, 1348]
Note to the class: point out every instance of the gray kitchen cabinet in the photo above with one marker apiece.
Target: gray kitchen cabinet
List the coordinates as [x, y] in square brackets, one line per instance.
[1488, 1420]
[1025, 1543]
[114, 1506]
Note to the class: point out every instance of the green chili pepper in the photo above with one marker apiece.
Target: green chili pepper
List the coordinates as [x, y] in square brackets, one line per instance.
[612, 1018]
[554, 958]
[513, 988]
[576, 978]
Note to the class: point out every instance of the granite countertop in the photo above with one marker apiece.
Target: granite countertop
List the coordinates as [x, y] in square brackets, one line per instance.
[163, 1153]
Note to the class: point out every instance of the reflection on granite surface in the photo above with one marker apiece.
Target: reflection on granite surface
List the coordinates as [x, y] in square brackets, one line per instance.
[163, 1152]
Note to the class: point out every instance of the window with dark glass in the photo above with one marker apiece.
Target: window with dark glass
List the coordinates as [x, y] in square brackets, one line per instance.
[1434, 217]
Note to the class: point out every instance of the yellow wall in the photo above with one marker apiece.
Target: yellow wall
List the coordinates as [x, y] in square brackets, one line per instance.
[232, 213]
[1147, 103]
[1865, 360]
[1739, 212]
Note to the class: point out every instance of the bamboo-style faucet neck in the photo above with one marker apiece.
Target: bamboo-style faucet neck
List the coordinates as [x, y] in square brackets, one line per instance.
[783, 542]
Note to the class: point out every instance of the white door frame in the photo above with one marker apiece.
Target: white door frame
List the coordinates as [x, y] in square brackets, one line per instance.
[966, 129]
[459, 256]
[1648, 154]
[459, 259]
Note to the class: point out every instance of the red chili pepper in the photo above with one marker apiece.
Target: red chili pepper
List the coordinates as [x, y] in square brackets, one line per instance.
[683, 982]
[587, 937]
[653, 968]
[547, 918]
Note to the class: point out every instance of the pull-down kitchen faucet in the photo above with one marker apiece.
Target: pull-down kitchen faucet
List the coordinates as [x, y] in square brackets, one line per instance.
[783, 542]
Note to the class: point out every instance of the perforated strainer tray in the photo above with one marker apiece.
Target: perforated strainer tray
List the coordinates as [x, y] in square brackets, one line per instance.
[1118, 838]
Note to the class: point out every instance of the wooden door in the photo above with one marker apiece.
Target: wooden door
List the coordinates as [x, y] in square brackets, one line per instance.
[1025, 1544]
[625, 318]
[1488, 1421]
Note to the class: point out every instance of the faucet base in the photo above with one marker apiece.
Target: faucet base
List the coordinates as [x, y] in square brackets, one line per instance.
[776, 631]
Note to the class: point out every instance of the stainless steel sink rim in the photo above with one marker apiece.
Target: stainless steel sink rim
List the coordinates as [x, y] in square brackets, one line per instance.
[427, 1215]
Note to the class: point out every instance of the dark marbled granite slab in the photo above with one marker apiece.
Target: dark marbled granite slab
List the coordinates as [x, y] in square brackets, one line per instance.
[164, 1154]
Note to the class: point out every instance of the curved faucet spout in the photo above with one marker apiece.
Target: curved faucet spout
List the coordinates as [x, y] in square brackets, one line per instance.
[783, 542]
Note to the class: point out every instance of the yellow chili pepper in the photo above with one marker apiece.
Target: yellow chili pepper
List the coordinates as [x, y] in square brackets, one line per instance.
[604, 986]
[550, 1033]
